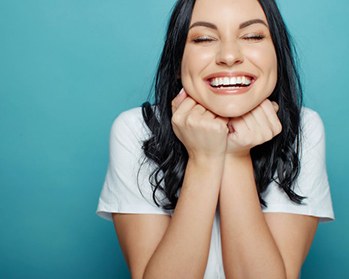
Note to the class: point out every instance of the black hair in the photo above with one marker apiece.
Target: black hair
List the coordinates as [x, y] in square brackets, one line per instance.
[276, 160]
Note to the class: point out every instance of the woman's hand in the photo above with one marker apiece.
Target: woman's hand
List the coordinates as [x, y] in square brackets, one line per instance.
[202, 132]
[254, 128]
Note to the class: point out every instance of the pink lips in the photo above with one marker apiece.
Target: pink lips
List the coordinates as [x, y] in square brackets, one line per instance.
[230, 90]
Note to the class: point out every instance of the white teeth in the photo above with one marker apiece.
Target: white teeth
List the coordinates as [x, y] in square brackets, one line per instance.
[215, 82]
[231, 81]
[245, 81]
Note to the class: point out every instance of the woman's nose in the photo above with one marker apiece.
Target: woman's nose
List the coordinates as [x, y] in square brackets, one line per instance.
[229, 54]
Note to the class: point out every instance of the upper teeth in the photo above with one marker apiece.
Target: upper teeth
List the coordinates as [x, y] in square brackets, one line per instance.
[233, 81]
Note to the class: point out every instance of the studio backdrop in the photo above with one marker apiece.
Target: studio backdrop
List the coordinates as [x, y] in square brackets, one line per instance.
[68, 68]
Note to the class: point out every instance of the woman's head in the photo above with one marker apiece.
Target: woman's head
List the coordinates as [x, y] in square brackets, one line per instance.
[270, 65]
[255, 55]
[229, 63]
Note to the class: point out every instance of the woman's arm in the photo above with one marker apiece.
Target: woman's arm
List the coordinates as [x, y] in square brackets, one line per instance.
[178, 247]
[256, 245]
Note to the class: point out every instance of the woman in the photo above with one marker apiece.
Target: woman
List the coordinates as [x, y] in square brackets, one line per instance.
[226, 179]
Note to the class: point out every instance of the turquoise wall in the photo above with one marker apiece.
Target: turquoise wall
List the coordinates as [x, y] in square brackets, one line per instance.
[67, 69]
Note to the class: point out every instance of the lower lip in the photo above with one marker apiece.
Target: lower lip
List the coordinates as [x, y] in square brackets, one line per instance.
[229, 91]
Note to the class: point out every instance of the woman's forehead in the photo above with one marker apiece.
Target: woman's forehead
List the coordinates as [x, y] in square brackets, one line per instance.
[234, 10]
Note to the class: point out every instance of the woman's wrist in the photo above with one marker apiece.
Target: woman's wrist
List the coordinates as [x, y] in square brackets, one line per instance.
[207, 161]
[241, 155]
[236, 161]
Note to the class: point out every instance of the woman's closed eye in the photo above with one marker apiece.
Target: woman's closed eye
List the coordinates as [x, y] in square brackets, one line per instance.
[203, 39]
[253, 37]
[249, 37]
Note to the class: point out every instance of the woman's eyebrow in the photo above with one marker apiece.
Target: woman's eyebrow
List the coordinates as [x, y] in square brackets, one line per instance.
[252, 21]
[204, 24]
[241, 26]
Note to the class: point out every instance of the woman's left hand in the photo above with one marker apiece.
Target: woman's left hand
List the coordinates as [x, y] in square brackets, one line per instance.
[254, 128]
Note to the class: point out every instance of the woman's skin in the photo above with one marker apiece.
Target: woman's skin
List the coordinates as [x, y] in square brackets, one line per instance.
[219, 127]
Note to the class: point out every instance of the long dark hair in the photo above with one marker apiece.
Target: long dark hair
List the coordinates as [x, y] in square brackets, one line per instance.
[276, 160]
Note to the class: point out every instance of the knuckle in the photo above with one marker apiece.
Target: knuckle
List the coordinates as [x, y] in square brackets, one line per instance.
[268, 135]
[176, 119]
[278, 128]
[174, 103]
[191, 121]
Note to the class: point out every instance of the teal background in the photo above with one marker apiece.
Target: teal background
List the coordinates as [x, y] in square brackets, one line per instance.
[67, 69]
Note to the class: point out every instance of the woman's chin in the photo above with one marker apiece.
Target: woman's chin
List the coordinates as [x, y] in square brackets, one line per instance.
[230, 112]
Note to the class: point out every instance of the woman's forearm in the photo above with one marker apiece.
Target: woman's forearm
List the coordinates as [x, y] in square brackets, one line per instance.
[249, 250]
[184, 249]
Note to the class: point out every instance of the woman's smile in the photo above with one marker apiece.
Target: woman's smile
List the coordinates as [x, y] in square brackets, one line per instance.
[230, 82]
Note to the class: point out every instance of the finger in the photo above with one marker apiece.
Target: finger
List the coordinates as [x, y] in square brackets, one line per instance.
[178, 99]
[250, 121]
[265, 126]
[200, 109]
[260, 117]
[185, 106]
[238, 125]
[238, 131]
[275, 106]
[270, 112]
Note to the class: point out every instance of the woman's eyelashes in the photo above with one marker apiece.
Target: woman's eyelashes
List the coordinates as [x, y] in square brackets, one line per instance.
[203, 39]
[253, 37]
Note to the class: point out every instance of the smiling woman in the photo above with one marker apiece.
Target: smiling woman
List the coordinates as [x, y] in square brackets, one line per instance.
[208, 181]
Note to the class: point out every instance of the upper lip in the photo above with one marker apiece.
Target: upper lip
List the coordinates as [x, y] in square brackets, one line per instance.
[230, 74]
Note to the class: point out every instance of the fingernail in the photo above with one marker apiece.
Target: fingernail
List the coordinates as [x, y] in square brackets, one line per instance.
[181, 92]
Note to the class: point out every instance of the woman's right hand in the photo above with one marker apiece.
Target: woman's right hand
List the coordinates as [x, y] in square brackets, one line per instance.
[253, 128]
[202, 132]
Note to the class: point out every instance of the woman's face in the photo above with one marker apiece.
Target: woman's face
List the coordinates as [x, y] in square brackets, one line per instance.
[229, 63]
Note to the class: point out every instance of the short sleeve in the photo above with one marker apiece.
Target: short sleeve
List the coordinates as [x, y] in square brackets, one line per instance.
[127, 188]
[312, 181]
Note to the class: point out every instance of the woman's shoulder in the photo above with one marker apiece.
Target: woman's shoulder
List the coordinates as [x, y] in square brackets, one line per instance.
[130, 116]
[130, 123]
[312, 127]
[308, 115]
[312, 181]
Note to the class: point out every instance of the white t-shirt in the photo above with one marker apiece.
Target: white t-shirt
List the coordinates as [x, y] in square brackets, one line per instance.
[127, 189]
